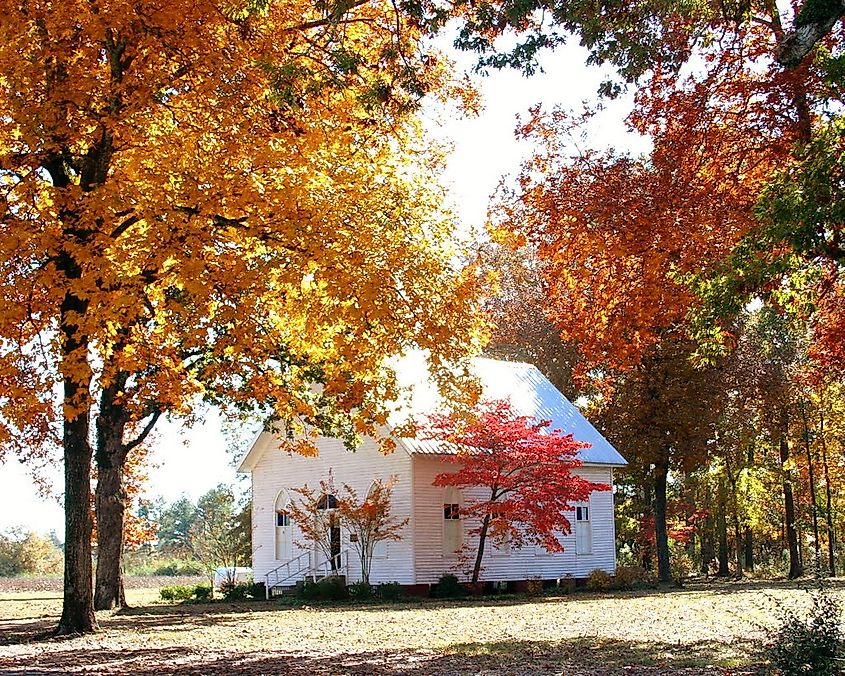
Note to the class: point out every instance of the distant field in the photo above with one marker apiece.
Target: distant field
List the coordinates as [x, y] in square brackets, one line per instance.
[20, 584]
[713, 629]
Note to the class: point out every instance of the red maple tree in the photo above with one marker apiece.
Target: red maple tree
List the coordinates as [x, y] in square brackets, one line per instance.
[522, 472]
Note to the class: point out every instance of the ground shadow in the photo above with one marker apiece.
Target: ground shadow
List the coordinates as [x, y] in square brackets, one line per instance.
[181, 617]
[578, 657]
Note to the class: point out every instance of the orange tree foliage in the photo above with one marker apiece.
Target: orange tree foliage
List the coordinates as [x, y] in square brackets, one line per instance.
[211, 198]
[622, 235]
[369, 521]
[520, 328]
[518, 475]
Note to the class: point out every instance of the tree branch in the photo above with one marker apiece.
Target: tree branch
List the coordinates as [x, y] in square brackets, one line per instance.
[812, 24]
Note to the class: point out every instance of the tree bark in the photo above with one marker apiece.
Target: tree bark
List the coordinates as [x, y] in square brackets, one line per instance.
[831, 544]
[110, 502]
[813, 23]
[111, 456]
[110, 507]
[78, 607]
[749, 535]
[788, 500]
[482, 538]
[722, 528]
[661, 533]
[814, 509]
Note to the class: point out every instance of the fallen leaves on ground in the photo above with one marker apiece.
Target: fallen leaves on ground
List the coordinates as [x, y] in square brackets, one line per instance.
[712, 629]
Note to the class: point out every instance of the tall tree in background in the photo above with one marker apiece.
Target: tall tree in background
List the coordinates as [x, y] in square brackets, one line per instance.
[216, 540]
[520, 329]
[662, 419]
[174, 526]
[192, 205]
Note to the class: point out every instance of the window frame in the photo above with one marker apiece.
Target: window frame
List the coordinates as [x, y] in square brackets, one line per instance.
[583, 529]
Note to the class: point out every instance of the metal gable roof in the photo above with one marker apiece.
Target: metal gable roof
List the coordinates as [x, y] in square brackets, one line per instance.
[528, 390]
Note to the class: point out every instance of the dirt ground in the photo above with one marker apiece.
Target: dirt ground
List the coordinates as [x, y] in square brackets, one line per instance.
[702, 629]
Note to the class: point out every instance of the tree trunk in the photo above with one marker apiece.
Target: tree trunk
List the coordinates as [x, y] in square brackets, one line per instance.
[110, 507]
[110, 502]
[706, 535]
[814, 509]
[749, 536]
[788, 501]
[77, 607]
[831, 544]
[661, 534]
[482, 538]
[748, 541]
[733, 479]
[111, 456]
[722, 527]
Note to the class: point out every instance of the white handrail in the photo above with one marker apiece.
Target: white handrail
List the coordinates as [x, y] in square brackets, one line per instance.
[336, 565]
[289, 574]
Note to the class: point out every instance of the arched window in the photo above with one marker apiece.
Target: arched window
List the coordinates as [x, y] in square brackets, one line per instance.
[327, 502]
[453, 527]
[282, 526]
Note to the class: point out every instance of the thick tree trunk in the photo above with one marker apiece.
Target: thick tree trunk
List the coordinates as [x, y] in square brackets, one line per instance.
[813, 23]
[788, 501]
[77, 608]
[661, 533]
[110, 507]
[110, 497]
[111, 456]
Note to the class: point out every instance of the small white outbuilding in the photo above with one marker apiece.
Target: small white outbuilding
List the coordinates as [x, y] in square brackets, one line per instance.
[428, 547]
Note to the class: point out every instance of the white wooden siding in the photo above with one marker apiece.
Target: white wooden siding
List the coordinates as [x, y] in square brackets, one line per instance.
[277, 470]
[518, 564]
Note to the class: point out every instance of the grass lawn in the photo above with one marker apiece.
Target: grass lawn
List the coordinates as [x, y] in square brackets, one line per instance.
[703, 629]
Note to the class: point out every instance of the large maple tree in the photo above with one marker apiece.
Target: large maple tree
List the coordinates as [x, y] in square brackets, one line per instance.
[519, 475]
[202, 198]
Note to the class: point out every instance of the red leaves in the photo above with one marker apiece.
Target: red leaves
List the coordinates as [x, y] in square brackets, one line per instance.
[522, 470]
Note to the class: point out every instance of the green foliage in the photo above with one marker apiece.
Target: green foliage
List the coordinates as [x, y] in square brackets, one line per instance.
[448, 587]
[327, 589]
[809, 646]
[259, 590]
[174, 526]
[177, 592]
[390, 591]
[800, 212]
[680, 563]
[236, 591]
[361, 591]
[178, 567]
[203, 592]
[599, 580]
[219, 536]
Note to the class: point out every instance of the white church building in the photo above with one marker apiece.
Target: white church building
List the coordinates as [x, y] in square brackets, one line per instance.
[435, 531]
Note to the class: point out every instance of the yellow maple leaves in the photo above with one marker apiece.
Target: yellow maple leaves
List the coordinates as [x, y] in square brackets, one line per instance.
[230, 186]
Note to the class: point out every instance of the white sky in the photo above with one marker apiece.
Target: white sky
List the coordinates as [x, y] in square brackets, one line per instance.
[191, 461]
